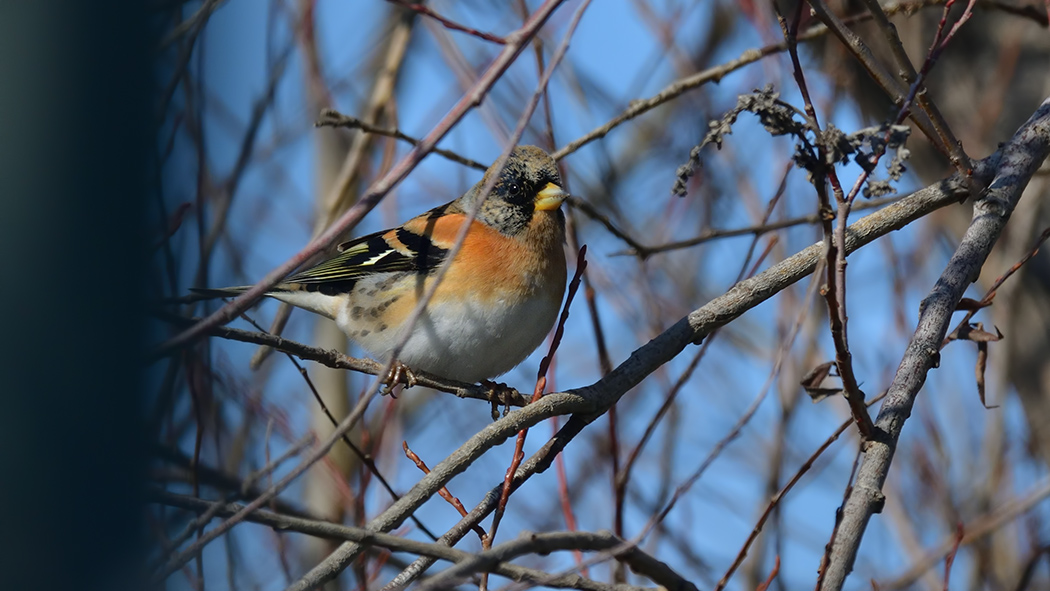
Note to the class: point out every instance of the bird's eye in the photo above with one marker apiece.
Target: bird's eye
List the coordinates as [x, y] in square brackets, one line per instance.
[514, 189]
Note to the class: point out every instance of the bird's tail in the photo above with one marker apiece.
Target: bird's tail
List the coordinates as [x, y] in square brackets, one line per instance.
[210, 293]
[291, 293]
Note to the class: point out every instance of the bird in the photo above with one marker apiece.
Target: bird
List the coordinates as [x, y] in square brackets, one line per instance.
[497, 301]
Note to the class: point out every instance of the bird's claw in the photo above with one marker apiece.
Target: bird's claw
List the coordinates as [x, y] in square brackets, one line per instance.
[494, 391]
[399, 373]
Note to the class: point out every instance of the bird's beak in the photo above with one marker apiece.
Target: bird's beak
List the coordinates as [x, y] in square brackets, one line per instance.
[550, 197]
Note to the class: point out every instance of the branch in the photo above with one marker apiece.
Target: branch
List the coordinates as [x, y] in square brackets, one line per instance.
[834, 240]
[333, 118]
[538, 463]
[334, 531]
[450, 24]
[1020, 158]
[337, 360]
[645, 252]
[532, 543]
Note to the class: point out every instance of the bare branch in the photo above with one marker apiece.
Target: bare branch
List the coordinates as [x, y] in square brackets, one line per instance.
[334, 531]
[449, 24]
[337, 360]
[533, 543]
[1020, 158]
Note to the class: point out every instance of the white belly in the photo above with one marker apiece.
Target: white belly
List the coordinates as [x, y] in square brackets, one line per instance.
[458, 340]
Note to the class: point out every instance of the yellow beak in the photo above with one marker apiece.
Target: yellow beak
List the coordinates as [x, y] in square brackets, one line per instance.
[550, 197]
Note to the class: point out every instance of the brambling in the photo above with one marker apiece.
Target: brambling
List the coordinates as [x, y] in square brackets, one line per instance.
[497, 301]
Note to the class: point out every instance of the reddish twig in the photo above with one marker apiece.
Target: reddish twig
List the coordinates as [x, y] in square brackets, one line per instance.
[940, 41]
[604, 366]
[963, 330]
[565, 498]
[834, 242]
[772, 575]
[449, 24]
[537, 393]
[779, 496]
[990, 294]
[948, 560]
[444, 492]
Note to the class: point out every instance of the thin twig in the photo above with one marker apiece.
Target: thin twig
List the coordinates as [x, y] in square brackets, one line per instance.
[974, 530]
[645, 252]
[780, 494]
[621, 477]
[249, 482]
[745, 418]
[337, 360]
[333, 118]
[542, 543]
[449, 24]
[834, 241]
[444, 492]
[541, 385]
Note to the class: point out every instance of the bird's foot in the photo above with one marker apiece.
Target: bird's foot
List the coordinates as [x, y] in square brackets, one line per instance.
[399, 373]
[494, 391]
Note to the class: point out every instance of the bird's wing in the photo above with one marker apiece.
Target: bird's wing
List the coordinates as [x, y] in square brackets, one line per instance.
[417, 246]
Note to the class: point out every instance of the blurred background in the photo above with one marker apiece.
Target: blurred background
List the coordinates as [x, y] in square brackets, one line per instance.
[213, 171]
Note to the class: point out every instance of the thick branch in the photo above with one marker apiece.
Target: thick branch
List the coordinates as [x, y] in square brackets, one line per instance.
[532, 543]
[1020, 159]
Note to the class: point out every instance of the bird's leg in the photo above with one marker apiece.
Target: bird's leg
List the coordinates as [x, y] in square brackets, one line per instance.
[399, 372]
[494, 391]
